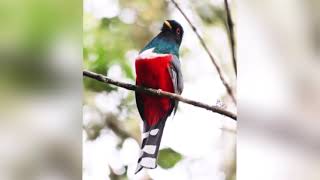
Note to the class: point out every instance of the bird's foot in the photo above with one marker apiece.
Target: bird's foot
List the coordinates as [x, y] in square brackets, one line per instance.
[159, 91]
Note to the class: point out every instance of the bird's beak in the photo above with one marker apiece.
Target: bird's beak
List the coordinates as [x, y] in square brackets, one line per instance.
[168, 24]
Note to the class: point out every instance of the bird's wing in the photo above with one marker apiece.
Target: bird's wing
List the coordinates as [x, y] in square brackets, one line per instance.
[176, 76]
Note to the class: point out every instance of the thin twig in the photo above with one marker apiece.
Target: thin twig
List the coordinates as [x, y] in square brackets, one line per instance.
[223, 80]
[160, 93]
[231, 35]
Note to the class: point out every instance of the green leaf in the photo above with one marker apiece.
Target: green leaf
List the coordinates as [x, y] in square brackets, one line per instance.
[168, 158]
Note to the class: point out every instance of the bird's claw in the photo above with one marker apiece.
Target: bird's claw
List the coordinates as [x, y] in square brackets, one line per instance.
[159, 91]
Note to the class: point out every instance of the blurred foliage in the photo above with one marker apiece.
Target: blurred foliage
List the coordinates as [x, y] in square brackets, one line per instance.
[37, 86]
[211, 14]
[168, 158]
[29, 29]
[30, 25]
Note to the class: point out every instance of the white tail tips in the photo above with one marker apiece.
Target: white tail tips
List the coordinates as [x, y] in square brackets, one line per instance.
[146, 162]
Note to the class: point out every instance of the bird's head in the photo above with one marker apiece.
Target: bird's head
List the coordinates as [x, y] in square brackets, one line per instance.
[168, 41]
[173, 29]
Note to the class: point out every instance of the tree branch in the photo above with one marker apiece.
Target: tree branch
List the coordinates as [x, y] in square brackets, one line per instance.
[160, 93]
[223, 80]
[231, 35]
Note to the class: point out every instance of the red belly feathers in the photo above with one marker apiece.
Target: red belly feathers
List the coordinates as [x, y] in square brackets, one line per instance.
[154, 73]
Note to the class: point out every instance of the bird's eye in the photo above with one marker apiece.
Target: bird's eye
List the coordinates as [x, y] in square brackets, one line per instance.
[178, 31]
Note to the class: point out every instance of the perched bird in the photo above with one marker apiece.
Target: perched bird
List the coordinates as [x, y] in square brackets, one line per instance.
[158, 66]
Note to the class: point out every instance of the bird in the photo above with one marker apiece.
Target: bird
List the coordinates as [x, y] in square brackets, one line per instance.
[158, 66]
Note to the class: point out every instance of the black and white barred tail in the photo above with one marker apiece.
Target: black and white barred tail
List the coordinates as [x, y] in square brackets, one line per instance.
[151, 139]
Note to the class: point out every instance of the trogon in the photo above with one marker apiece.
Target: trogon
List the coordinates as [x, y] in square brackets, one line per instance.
[158, 67]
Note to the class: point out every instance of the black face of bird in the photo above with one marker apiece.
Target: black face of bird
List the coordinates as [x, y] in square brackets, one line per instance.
[173, 28]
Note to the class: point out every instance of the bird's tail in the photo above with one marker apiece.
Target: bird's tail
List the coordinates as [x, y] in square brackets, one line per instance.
[150, 147]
